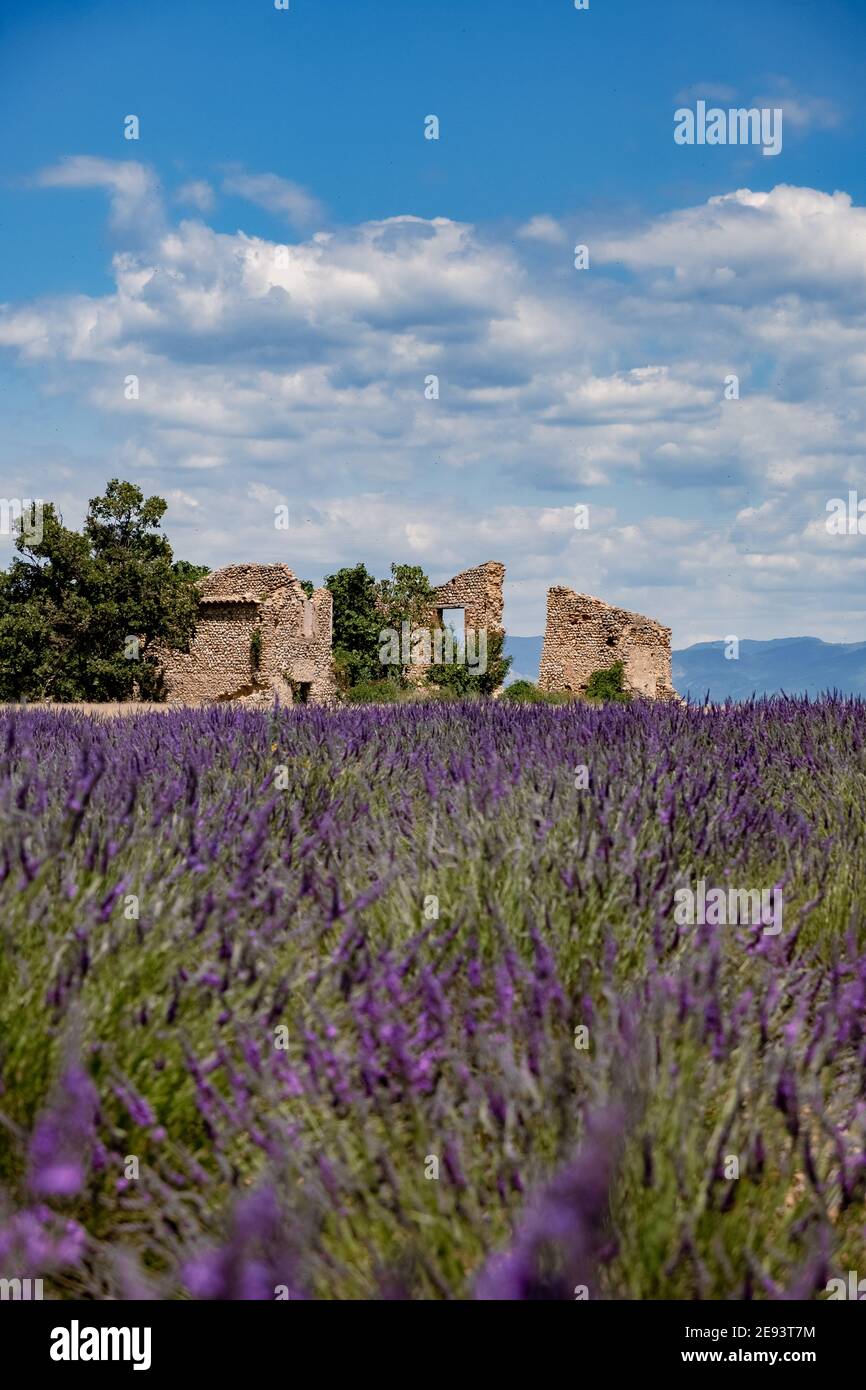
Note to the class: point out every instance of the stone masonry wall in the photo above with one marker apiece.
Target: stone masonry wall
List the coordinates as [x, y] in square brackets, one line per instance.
[585, 634]
[296, 640]
[479, 593]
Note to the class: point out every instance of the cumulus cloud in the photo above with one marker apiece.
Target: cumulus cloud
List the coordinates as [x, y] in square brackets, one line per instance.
[749, 246]
[302, 374]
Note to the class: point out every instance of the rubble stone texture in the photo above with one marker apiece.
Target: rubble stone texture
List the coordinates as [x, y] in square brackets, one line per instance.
[479, 593]
[585, 634]
[295, 632]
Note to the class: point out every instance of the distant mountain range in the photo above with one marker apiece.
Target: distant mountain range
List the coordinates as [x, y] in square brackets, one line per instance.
[797, 665]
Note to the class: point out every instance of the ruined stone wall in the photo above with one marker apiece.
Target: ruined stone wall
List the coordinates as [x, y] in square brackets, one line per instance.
[253, 581]
[295, 640]
[478, 592]
[296, 644]
[585, 634]
[218, 661]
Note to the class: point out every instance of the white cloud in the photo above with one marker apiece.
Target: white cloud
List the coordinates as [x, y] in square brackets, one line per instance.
[197, 193]
[542, 228]
[277, 195]
[133, 188]
[181, 499]
[801, 111]
[297, 373]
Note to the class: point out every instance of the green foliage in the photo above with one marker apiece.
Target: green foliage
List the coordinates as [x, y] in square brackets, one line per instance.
[357, 624]
[386, 692]
[307, 586]
[608, 684]
[462, 679]
[192, 573]
[363, 607]
[406, 597]
[256, 648]
[70, 601]
[523, 692]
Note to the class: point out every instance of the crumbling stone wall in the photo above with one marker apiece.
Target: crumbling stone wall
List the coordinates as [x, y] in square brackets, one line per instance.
[295, 641]
[585, 634]
[478, 592]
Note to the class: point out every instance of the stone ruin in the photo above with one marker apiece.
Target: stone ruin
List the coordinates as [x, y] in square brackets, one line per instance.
[478, 592]
[582, 635]
[295, 647]
[585, 634]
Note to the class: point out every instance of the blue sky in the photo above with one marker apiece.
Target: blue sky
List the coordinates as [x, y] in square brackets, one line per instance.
[302, 380]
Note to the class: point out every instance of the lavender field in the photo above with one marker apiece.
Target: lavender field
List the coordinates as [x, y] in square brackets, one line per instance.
[394, 1003]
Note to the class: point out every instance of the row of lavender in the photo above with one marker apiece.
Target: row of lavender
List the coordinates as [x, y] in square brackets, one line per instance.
[399, 1003]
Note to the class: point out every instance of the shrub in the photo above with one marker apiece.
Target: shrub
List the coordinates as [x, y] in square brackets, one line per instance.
[608, 684]
[523, 692]
[387, 692]
[463, 681]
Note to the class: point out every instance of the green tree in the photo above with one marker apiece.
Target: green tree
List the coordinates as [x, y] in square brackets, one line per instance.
[407, 597]
[192, 573]
[81, 613]
[357, 624]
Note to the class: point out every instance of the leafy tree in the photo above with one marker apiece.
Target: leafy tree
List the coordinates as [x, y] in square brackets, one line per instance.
[406, 597]
[357, 624]
[384, 692]
[184, 569]
[363, 608]
[81, 613]
[307, 586]
[608, 684]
